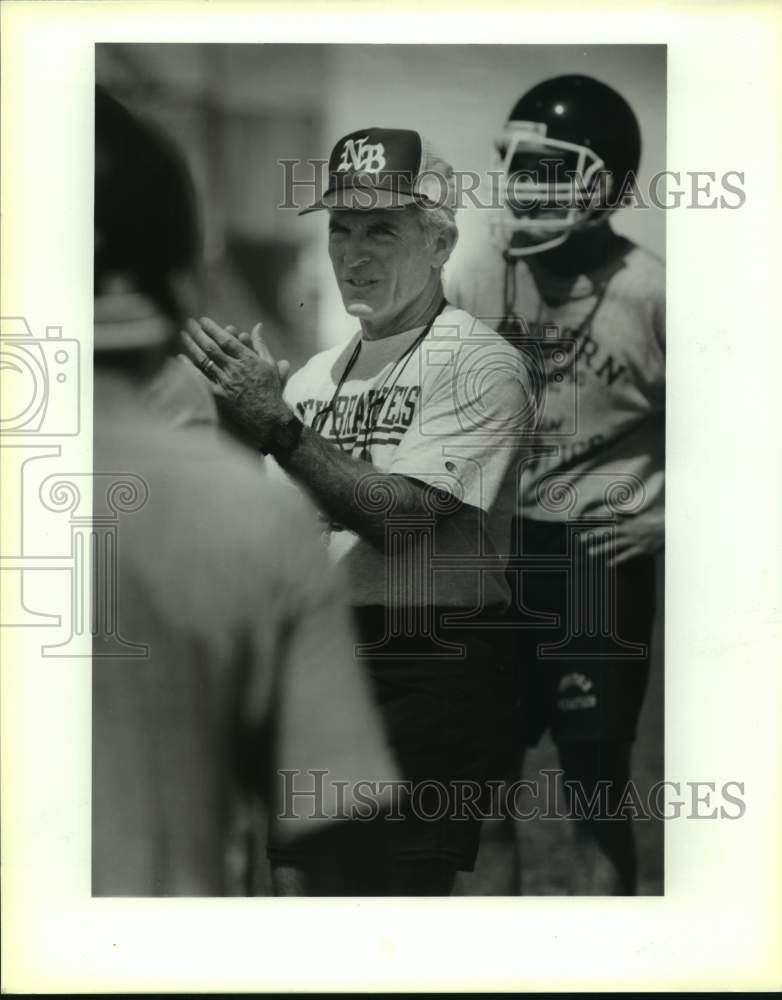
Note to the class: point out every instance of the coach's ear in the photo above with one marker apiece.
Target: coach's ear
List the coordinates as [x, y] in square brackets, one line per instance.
[444, 245]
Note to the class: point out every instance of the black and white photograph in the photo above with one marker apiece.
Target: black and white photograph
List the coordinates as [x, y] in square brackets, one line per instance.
[389, 428]
[407, 652]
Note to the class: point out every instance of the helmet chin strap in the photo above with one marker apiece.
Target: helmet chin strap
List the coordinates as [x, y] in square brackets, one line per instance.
[528, 251]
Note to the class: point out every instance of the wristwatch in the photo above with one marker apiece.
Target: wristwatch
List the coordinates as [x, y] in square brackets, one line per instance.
[285, 437]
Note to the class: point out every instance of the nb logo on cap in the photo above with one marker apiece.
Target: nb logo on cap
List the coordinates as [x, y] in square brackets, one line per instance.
[358, 154]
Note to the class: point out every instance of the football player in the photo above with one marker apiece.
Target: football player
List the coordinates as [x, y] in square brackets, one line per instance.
[549, 271]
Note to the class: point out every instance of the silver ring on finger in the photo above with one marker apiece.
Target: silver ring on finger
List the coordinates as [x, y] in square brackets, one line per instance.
[208, 367]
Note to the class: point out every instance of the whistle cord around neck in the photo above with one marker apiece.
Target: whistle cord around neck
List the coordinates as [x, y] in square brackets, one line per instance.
[352, 360]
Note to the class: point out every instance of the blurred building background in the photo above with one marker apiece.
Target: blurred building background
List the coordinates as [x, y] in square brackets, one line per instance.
[236, 111]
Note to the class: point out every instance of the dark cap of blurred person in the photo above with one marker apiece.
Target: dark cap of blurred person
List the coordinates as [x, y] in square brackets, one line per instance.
[147, 237]
[147, 249]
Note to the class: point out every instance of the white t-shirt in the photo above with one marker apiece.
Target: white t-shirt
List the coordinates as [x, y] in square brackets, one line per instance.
[599, 343]
[454, 414]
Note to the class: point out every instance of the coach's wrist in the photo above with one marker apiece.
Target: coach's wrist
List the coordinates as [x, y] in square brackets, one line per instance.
[283, 434]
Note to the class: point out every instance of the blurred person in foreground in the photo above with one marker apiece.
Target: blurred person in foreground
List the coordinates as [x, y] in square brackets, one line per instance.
[552, 274]
[406, 437]
[249, 667]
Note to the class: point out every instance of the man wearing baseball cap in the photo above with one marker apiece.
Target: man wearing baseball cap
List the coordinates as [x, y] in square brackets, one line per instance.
[407, 438]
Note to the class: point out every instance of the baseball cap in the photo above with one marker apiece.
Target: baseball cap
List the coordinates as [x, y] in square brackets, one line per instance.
[386, 168]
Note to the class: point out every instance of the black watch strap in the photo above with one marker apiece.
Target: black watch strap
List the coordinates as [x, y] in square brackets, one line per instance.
[285, 437]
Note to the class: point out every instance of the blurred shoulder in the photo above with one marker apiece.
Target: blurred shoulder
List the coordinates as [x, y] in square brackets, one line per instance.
[206, 476]
[480, 357]
[462, 329]
[644, 269]
[256, 519]
[182, 395]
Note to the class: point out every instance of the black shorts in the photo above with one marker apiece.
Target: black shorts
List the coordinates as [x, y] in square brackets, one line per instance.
[449, 720]
[583, 672]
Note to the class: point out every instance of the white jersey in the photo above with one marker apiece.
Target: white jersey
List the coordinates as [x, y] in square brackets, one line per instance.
[599, 345]
[451, 413]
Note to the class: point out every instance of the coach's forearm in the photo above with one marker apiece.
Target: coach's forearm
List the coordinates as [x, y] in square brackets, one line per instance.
[336, 482]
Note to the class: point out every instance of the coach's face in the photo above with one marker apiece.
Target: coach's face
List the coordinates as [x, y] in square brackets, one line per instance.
[384, 265]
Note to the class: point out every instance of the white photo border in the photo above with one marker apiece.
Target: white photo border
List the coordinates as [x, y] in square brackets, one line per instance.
[718, 924]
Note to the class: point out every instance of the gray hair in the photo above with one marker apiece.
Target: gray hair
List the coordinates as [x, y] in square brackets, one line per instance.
[436, 222]
[438, 184]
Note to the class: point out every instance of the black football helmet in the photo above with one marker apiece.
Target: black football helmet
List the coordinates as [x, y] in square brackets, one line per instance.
[563, 157]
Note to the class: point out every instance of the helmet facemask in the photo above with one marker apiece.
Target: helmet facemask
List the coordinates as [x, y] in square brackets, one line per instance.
[544, 189]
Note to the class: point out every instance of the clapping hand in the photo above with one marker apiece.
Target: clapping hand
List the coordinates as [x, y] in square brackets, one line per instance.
[244, 374]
